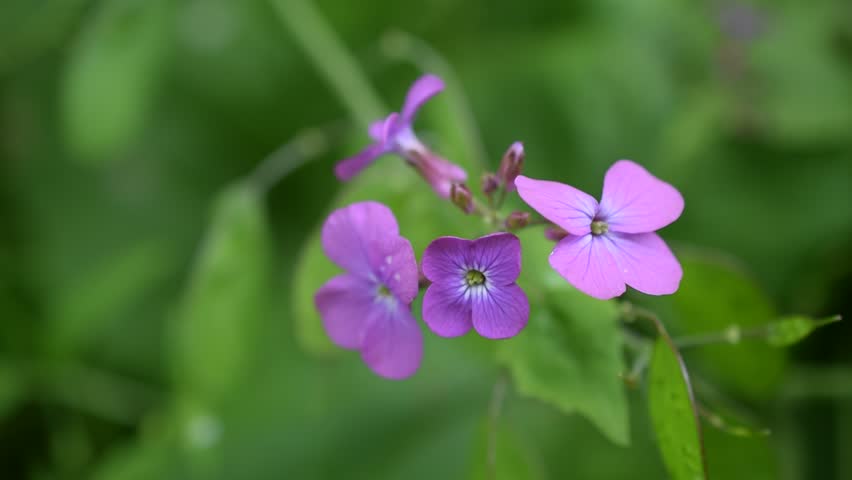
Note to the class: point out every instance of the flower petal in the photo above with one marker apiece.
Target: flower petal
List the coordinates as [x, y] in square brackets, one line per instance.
[445, 258]
[348, 168]
[423, 89]
[439, 172]
[571, 209]
[392, 261]
[349, 234]
[498, 256]
[345, 304]
[393, 344]
[446, 311]
[586, 262]
[377, 130]
[500, 312]
[634, 201]
[645, 262]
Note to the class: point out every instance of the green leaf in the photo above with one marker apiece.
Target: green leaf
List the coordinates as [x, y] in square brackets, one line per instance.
[226, 299]
[674, 414]
[421, 215]
[792, 329]
[113, 74]
[13, 388]
[569, 355]
[508, 458]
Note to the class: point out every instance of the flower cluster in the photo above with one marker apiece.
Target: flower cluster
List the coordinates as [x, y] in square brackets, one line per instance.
[602, 247]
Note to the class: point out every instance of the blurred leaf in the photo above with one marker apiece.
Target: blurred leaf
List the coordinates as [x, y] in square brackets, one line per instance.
[512, 458]
[12, 388]
[421, 215]
[225, 300]
[674, 414]
[790, 330]
[569, 355]
[113, 75]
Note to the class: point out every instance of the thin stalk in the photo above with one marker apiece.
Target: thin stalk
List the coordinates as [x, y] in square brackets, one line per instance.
[498, 394]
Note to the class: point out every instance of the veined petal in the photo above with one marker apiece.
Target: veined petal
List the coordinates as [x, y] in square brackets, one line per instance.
[345, 304]
[446, 311]
[393, 344]
[394, 265]
[423, 89]
[586, 262]
[571, 209]
[500, 312]
[349, 234]
[348, 168]
[444, 260]
[498, 256]
[634, 201]
[645, 262]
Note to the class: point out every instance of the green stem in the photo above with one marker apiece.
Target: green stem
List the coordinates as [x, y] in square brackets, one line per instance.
[330, 56]
[494, 410]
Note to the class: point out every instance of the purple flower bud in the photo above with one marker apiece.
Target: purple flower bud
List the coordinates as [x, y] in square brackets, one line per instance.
[517, 220]
[510, 166]
[555, 233]
[490, 183]
[461, 197]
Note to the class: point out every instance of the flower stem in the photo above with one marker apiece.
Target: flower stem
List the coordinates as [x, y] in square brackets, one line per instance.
[330, 56]
[494, 410]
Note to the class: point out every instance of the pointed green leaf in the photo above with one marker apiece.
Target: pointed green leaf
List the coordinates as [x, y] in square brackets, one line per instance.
[225, 300]
[792, 329]
[674, 414]
[112, 77]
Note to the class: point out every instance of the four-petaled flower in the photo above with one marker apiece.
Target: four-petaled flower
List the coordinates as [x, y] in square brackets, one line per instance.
[611, 243]
[368, 308]
[395, 134]
[473, 285]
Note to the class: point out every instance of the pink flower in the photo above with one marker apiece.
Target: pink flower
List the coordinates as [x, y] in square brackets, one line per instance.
[395, 134]
[611, 243]
[473, 285]
[368, 308]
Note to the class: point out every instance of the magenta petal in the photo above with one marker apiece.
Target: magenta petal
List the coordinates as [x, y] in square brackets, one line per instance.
[634, 201]
[392, 261]
[586, 263]
[423, 89]
[348, 168]
[571, 209]
[498, 256]
[645, 262]
[349, 233]
[393, 344]
[444, 259]
[500, 312]
[445, 309]
[345, 304]
[377, 130]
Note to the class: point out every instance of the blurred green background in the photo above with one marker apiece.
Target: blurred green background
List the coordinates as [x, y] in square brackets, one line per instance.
[148, 320]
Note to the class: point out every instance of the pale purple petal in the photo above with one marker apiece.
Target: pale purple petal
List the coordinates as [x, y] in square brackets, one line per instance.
[634, 201]
[585, 261]
[500, 312]
[445, 258]
[349, 233]
[345, 304]
[439, 172]
[348, 168]
[446, 311]
[571, 209]
[392, 261]
[498, 256]
[645, 262]
[423, 89]
[377, 130]
[393, 344]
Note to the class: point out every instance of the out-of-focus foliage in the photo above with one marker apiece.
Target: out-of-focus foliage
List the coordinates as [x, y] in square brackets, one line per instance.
[155, 304]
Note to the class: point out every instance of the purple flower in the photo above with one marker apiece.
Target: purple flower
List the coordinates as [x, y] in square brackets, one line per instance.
[511, 165]
[395, 134]
[473, 284]
[368, 308]
[611, 243]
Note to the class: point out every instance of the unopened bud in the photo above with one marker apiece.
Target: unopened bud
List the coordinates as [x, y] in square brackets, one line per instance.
[461, 197]
[555, 233]
[511, 165]
[490, 183]
[517, 220]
